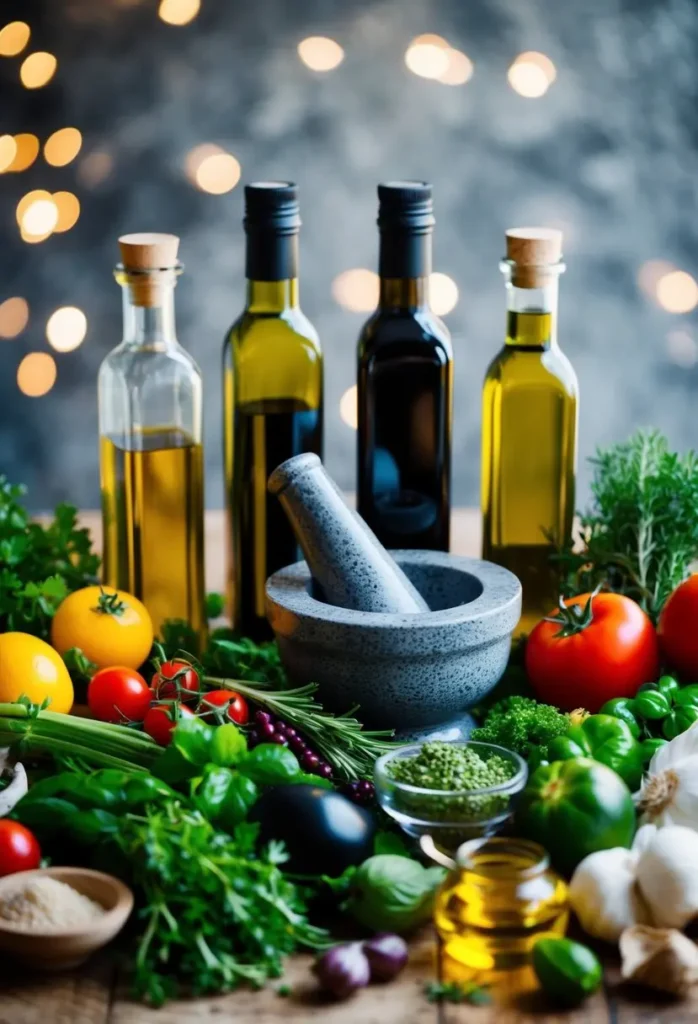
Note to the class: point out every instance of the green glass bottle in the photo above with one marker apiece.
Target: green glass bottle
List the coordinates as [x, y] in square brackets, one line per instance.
[272, 403]
[529, 427]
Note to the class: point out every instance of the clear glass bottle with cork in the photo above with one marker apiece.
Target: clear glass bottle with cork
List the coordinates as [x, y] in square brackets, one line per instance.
[529, 426]
[151, 454]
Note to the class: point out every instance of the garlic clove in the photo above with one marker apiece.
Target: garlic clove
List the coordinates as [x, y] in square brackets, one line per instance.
[643, 838]
[667, 876]
[604, 895]
[661, 958]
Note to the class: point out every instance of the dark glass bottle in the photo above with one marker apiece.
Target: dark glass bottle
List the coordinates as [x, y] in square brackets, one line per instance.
[272, 367]
[405, 384]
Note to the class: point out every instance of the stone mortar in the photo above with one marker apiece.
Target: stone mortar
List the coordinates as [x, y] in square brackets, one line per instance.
[407, 672]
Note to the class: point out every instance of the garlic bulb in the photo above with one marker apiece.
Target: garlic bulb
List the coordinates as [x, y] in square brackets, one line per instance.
[659, 958]
[667, 875]
[669, 791]
[604, 895]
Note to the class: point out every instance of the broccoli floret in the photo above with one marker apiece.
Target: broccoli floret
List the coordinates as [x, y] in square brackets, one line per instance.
[523, 725]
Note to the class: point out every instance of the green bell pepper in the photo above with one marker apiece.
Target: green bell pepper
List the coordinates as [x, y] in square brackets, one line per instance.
[649, 747]
[623, 708]
[680, 719]
[574, 808]
[669, 687]
[606, 739]
[688, 696]
[652, 705]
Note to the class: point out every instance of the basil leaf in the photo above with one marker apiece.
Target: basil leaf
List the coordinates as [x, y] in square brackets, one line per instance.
[141, 788]
[241, 795]
[228, 745]
[270, 765]
[212, 791]
[193, 739]
[172, 767]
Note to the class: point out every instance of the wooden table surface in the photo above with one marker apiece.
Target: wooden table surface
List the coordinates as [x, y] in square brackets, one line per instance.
[97, 993]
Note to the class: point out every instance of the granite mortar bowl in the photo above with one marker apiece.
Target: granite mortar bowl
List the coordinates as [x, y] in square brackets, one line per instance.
[406, 672]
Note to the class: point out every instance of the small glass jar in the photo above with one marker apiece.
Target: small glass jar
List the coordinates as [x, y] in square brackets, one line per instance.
[501, 897]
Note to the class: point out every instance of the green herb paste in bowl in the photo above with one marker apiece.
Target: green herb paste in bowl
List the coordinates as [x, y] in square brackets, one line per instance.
[451, 791]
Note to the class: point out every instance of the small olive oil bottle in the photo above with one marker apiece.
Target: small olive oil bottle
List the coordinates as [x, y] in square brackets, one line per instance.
[151, 455]
[529, 426]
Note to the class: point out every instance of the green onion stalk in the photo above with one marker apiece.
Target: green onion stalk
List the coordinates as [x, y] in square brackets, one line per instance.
[32, 732]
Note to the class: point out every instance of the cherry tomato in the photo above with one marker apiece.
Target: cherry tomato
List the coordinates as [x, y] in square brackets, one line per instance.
[177, 680]
[118, 695]
[161, 719]
[678, 637]
[608, 649]
[238, 710]
[19, 850]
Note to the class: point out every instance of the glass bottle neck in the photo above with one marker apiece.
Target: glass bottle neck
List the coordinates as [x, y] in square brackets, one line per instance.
[150, 326]
[532, 315]
[272, 297]
[404, 293]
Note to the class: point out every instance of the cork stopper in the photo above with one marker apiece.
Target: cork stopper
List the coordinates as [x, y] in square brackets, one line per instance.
[149, 262]
[535, 254]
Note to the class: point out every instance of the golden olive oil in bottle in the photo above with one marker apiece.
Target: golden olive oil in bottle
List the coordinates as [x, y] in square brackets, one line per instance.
[151, 456]
[529, 427]
[272, 401]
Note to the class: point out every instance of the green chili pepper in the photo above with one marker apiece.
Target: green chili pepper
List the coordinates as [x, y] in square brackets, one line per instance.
[645, 687]
[669, 687]
[623, 708]
[568, 972]
[687, 697]
[680, 719]
[649, 747]
[606, 739]
[651, 704]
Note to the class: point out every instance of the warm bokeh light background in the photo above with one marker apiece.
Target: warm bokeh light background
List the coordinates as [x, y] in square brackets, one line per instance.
[138, 115]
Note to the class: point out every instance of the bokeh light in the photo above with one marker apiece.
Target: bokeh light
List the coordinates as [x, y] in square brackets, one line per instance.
[95, 168]
[8, 151]
[681, 348]
[62, 147]
[650, 274]
[320, 53]
[443, 293]
[459, 70]
[27, 200]
[26, 151]
[36, 374]
[14, 316]
[532, 74]
[179, 12]
[677, 292]
[40, 218]
[348, 411]
[428, 56]
[217, 173]
[66, 328]
[68, 206]
[356, 290]
[13, 38]
[37, 69]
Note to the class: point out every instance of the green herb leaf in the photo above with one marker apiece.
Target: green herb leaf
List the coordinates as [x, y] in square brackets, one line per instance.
[456, 992]
[193, 738]
[228, 745]
[271, 765]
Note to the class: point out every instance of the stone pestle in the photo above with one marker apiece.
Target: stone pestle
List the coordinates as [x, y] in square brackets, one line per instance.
[346, 559]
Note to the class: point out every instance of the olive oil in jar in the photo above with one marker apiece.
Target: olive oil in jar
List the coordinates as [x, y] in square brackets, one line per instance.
[494, 906]
[151, 458]
[153, 537]
[529, 427]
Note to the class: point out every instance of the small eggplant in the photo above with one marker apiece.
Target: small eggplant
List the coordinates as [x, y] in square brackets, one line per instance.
[342, 970]
[386, 955]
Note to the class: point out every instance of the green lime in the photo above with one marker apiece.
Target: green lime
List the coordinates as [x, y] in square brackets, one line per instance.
[567, 971]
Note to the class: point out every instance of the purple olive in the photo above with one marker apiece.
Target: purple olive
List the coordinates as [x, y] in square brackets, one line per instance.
[342, 970]
[296, 744]
[280, 741]
[262, 717]
[386, 955]
[291, 732]
[266, 729]
[324, 769]
[310, 762]
[280, 728]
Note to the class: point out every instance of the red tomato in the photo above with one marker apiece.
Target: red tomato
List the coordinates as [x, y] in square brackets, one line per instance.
[238, 710]
[19, 850]
[609, 656]
[678, 635]
[176, 680]
[161, 720]
[118, 695]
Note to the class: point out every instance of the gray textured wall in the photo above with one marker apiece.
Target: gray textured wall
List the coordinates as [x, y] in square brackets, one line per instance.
[610, 153]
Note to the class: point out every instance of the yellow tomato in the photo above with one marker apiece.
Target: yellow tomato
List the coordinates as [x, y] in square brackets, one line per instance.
[109, 626]
[29, 666]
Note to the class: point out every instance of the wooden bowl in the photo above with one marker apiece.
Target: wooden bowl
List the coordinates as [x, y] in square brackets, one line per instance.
[58, 950]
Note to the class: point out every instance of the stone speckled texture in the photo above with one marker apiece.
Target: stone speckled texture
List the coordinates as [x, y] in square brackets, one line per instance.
[405, 671]
[349, 564]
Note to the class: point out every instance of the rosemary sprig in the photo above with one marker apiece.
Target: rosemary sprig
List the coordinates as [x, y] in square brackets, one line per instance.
[341, 739]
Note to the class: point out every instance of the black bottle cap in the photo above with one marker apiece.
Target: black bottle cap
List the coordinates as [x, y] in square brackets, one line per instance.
[405, 204]
[273, 206]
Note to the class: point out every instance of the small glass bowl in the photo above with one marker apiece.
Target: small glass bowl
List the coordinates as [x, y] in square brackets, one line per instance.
[449, 817]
